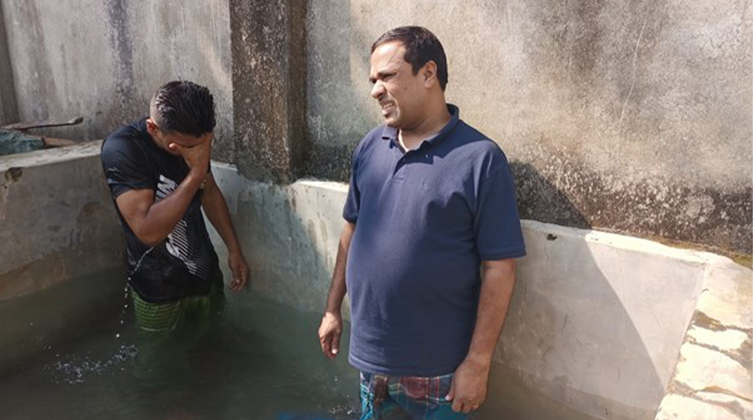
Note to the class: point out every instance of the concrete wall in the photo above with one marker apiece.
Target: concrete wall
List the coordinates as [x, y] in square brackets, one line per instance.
[630, 116]
[59, 233]
[103, 60]
[596, 321]
[8, 109]
[268, 85]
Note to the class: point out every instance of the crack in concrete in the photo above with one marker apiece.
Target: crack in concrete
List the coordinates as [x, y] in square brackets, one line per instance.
[719, 390]
[635, 69]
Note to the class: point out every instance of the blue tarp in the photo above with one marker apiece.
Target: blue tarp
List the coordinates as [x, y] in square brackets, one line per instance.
[16, 142]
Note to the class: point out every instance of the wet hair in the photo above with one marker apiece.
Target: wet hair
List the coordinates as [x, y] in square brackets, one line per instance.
[184, 107]
[421, 46]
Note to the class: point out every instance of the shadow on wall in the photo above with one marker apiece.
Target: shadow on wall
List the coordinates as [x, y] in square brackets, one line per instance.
[570, 337]
[539, 199]
[571, 344]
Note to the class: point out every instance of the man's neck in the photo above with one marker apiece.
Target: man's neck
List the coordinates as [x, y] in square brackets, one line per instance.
[434, 122]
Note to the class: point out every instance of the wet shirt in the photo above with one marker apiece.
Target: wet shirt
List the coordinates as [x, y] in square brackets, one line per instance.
[184, 263]
[425, 219]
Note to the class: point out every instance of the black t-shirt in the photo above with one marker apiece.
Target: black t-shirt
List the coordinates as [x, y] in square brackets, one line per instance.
[185, 262]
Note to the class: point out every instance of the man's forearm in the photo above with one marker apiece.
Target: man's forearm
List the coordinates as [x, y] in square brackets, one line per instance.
[497, 285]
[337, 288]
[218, 214]
[158, 219]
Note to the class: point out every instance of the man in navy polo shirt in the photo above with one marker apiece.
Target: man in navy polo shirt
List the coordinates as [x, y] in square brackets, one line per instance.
[427, 252]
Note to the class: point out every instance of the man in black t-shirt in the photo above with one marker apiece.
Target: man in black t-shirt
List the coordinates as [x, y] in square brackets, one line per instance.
[158, 170]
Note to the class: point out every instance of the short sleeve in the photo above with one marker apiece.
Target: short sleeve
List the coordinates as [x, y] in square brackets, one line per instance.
[353, 202]
[125, 168]
[496, 223]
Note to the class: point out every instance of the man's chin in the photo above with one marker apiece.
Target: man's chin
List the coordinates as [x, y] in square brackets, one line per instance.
[391, 120]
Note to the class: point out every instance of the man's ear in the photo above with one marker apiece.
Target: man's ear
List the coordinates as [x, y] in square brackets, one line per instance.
[429, 73]
[151, 127]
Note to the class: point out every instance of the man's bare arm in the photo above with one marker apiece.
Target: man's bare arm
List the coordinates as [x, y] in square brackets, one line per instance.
[330, 329]
[468, 389]
[218, 214]
[150, 221]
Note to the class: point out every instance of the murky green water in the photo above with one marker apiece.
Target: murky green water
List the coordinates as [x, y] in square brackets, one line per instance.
[261, 361]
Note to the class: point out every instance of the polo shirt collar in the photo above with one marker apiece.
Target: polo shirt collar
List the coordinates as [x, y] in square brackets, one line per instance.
[390, 133]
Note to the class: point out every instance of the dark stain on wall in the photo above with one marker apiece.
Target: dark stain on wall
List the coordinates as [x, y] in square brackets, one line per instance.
[267, 41]
[13, 174]
[121, 41]
[41, 84]
[651, 208]
[8, 106]
[331, 162]
[559, 190]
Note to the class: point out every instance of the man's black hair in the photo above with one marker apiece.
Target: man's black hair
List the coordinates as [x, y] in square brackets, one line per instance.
[421, 46]
[184, 107]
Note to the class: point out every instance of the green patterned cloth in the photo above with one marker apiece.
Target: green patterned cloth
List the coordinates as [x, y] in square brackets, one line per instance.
[169, 316]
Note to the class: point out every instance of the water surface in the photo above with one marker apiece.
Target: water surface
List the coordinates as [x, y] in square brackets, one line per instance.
[260, 361]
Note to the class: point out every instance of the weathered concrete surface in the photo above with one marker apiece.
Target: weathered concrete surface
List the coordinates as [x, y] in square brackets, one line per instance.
[103, 60]
[628, 116]
[268, 84]
[631, 117]
[8, 108]
[62, 263]
[298, 227]
[714, 374]
[596, 321]
[55, 213]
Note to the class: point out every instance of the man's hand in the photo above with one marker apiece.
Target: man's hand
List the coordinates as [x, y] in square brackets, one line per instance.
[239, 268]
[468, 389]
[197, 157]
[330, 331]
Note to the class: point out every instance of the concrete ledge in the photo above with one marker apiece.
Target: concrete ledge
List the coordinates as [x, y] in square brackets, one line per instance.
[60, 234]
[56, 211]
[596, 322]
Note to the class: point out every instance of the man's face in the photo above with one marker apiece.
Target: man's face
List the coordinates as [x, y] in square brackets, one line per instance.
[164, 139]
[397, 89]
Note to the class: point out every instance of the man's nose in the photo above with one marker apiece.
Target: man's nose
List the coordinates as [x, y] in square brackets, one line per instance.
[378, 90]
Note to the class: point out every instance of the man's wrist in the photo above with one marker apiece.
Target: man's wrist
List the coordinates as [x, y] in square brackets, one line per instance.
[333, 311]
[194, 177]
[479, 360]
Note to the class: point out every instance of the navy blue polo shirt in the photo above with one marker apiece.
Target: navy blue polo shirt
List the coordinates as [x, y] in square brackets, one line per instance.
[425, 219]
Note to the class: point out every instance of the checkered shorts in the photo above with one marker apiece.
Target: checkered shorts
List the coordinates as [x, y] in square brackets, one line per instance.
[406, 398]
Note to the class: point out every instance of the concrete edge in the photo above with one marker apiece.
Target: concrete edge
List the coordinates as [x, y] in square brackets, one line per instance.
[47, 156]
[623, 242]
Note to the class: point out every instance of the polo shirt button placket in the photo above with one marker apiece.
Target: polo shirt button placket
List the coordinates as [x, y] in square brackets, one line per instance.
[396, 174]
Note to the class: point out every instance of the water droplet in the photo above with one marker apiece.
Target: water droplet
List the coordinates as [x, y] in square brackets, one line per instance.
[117, 335]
